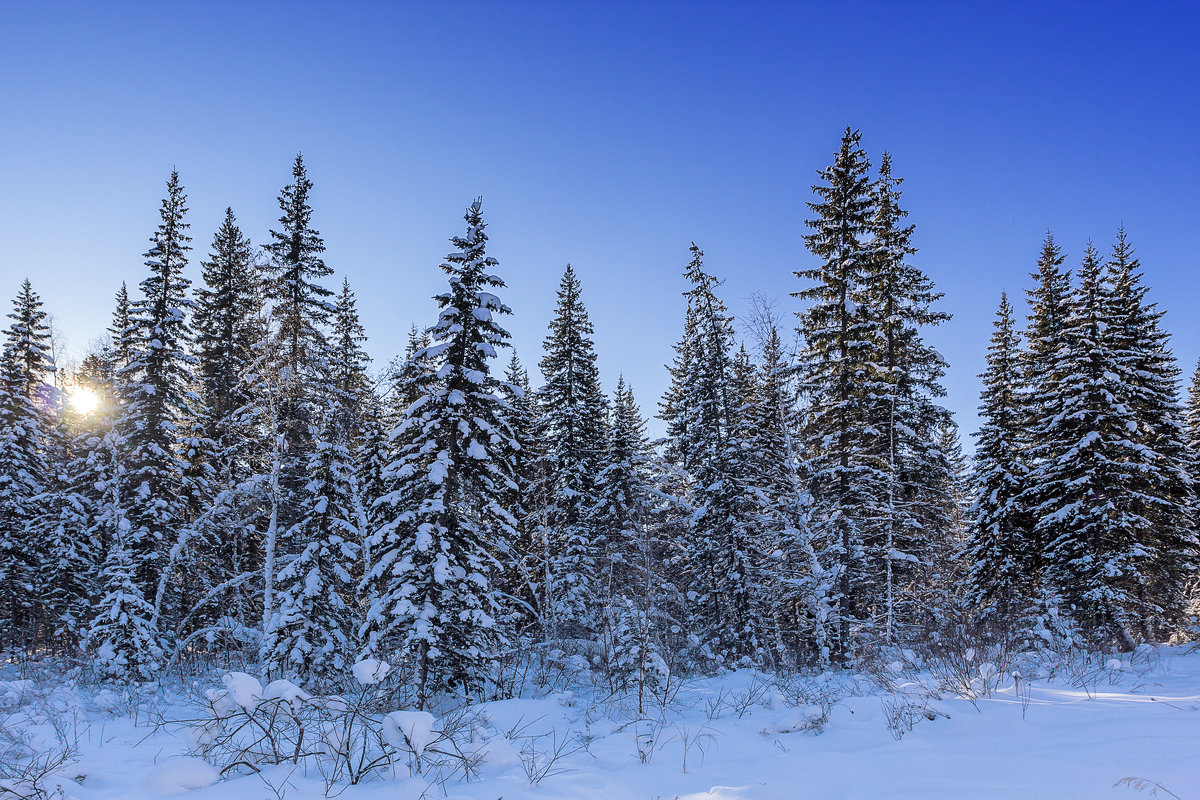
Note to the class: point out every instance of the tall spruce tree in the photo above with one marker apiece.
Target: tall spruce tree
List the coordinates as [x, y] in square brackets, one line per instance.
[229, 339]
[25, 366]
[1090, 556]
[122, 635]
[431, 591]
[301, 312]
[904, 386]
[848, 477]
[633, 584]
[1041, 399]
[158, 393]
[1160, 516]
[1000, 552]
[701, 411]
[572, 411]
[522, 568]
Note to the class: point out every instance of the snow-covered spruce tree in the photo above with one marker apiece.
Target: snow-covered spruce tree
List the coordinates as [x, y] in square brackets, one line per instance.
[27, 340]
[700, 410]
[66, 581]
[1000, 552]
[431, 594]
[1192, 415]
[797, 588]
[311, 635]
[958, 496]
[158, 393]
[348, 361]
[370, 461]
[122, 636]
[1096, 550]
[904, 386]
[355, 400]
[119, 331]
[1192, 434]
[1161, 501]
[300, 310]
[624, 492]
[312, 632]
[632, 581]
[521, 569]
[407, 379]
[572, 411]
[25, 365]
[229, 338]
[1041, 400]
[841, 340]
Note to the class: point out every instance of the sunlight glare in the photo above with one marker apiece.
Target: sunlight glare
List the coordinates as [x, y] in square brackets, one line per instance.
[84, 400]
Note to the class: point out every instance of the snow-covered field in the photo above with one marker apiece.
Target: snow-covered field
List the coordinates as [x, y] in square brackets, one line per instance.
[1094, 729]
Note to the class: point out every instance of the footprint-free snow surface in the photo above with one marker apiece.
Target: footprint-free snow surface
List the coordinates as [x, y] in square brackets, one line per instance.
[1098, 728]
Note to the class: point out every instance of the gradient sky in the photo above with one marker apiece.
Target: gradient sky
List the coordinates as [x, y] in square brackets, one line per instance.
[608, 135]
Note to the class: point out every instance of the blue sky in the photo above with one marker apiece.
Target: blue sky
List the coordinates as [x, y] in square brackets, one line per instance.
[608, 135]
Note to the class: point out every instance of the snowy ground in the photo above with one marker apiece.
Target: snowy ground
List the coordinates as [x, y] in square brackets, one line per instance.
[1080, 733]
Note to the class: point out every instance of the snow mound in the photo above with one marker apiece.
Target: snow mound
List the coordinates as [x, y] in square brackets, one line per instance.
[370, 671]
[181, 775]
[244, 689]
[753, 792]
[409, 731]
[804, 718]
[286, 691]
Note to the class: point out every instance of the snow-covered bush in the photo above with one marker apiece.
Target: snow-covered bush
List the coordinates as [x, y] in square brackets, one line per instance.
[40, 732]
[348, 739]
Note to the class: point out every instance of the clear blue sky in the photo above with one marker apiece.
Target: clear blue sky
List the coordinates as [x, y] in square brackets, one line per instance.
[608, 135]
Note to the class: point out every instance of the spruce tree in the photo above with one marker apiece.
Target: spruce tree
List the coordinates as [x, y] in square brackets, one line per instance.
[430, 590]
[312, 632]
[522, 568]
[228, 342]
[904, 386]
[1159, 515]
[1001, 553]
[798, 589]
[633, 584]
[348, 360]
[1088, 520]
[25, 365]
[848, 479]
[157, 385]
[301, 311]
[1041, 399]
[701, 411]
[572, 415]
[122, 636]
[66, 581]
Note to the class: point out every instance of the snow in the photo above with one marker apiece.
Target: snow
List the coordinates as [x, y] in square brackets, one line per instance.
[370, 671]
[286, 691]
[179, 775]
[409, 731]
[244, 689]
[738, 736]
[755, 792]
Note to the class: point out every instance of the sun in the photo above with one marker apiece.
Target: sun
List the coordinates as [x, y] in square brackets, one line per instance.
[84, 400]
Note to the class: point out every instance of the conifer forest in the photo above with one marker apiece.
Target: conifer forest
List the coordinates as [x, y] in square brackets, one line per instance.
[245, 552]
[230, 474]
